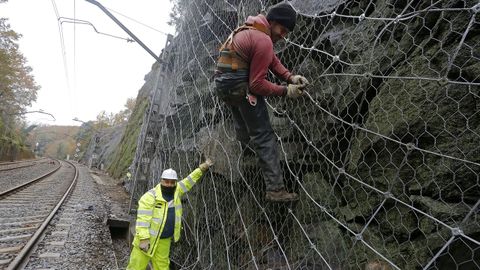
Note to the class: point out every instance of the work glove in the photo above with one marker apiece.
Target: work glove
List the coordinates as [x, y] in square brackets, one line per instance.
[299, 79]
[144, 244]
[205, 165]
[295, 90]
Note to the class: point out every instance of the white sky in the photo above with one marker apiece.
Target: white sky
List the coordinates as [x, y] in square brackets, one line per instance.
[102, 71]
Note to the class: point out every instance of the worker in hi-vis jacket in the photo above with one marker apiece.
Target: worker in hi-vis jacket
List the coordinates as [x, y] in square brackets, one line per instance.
[159, 219]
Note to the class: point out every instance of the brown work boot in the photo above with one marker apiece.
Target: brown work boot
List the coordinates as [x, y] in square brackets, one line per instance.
[281, 196]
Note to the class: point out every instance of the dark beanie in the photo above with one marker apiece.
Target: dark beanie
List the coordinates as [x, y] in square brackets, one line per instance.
[284, 14]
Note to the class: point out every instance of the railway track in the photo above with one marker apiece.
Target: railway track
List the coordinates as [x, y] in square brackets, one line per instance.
[27, 209]
[6, 163]
[8, 166]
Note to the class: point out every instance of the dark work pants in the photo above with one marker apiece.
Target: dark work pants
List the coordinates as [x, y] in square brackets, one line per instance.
[253, 123]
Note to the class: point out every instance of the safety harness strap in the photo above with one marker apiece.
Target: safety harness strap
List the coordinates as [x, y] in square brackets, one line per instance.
[229, 60]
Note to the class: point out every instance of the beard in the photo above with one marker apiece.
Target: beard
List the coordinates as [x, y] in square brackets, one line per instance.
[168, 190]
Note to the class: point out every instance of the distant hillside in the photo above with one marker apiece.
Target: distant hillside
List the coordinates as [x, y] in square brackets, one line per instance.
[54, 141]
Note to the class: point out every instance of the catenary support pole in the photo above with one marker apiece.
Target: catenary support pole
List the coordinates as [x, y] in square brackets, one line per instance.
[125, 29]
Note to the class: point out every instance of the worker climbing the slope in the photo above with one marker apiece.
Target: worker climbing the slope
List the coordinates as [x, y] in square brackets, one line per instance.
[159, 219]
[240, 81]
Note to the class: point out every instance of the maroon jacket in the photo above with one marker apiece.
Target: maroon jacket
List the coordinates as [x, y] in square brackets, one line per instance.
[256, 48]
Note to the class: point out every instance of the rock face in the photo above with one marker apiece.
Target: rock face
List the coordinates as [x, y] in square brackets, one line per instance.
[114, 147]
[103, 143]
[383, 147]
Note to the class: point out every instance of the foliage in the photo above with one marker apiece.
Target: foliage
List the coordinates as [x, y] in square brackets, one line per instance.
[54, 141]
[124, 154]
[178, 12]
[17, 86]
[122, 116]
[18, 90]
[105, 120]
[12, 142]
[92, 134]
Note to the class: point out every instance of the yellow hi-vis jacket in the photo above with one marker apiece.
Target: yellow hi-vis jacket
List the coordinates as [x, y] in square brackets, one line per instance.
[153, 209]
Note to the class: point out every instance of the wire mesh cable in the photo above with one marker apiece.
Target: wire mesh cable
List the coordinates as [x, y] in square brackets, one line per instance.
[382, 147]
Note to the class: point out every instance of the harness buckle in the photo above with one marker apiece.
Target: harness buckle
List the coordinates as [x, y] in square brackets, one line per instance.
[252, 99]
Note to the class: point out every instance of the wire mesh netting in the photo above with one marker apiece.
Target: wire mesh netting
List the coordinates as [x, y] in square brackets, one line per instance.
[382, 147]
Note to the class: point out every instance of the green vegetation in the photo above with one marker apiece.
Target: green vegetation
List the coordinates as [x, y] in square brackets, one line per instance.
[13, 146]
[125, 153]
[54, 141]
[17, 92]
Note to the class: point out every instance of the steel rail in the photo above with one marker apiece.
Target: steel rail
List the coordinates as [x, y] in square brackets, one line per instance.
[3, 193]
[30, 162]
[19, 167]
[3, 163]
[6, 163]
[24, 253]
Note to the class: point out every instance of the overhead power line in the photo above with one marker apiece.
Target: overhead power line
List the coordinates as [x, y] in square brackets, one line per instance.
[125, 29]
[78, 21]
[134, 20]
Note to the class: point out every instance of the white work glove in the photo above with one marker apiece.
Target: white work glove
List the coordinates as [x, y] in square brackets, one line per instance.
[295, 90]
[205, 165]
[299, 79]
[144, 244]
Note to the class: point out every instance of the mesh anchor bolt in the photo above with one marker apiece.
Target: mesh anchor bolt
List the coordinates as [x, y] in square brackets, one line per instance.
[457, 231]
[358, 237]
[361, 17]
[410, 146]
[341, 170]
[336, 58]
[443, 81]
[333, 14]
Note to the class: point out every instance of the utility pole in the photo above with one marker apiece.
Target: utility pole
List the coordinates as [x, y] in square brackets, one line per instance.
[125, 29]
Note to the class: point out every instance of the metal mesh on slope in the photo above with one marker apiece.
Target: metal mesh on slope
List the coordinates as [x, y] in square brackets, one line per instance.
[382, 148]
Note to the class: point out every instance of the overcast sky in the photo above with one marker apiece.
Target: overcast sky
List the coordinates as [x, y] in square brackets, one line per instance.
[100, 72]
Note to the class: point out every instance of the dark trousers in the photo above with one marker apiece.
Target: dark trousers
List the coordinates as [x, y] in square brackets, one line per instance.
[253, 123]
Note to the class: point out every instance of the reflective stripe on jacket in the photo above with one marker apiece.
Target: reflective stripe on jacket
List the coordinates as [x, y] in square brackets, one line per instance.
[153, 209]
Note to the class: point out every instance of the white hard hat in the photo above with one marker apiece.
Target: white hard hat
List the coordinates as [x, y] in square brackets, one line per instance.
[169, 174]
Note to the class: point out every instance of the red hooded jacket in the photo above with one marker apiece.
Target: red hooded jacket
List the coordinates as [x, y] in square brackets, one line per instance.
[256, 48]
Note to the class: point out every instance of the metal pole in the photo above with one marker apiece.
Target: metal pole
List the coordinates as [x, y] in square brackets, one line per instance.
[125, 29]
